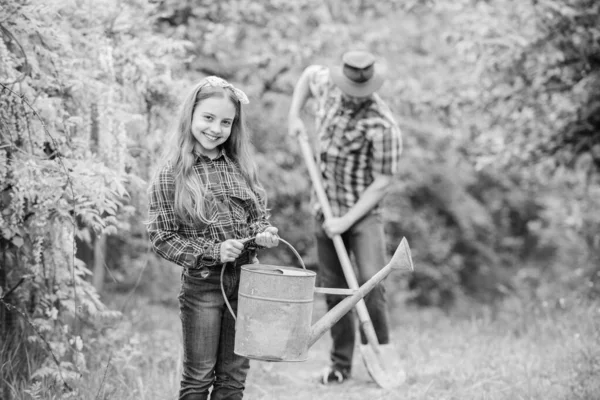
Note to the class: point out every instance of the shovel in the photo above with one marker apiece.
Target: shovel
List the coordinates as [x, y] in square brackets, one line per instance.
[381, 361]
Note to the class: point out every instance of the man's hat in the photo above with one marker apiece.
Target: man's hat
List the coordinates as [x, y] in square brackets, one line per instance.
[359, 75]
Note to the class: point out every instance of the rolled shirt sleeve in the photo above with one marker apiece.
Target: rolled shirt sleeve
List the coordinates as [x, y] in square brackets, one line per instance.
[387, 148]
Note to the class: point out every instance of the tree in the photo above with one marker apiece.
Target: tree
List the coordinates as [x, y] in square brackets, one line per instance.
[536, 78]
[76, 99]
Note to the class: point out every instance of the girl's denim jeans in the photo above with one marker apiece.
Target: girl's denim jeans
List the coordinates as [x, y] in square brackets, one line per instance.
[209, 334]
[365, 240]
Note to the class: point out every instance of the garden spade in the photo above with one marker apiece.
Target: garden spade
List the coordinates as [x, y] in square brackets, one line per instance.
[381, 361]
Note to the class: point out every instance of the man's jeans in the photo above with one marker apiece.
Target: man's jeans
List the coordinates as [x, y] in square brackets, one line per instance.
[209, 334]
[365, 240]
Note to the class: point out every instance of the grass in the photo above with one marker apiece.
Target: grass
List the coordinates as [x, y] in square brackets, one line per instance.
[547, 354]
[516, 352]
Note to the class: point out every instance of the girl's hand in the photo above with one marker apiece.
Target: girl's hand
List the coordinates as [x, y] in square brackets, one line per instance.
[268, 238]
[230, 250]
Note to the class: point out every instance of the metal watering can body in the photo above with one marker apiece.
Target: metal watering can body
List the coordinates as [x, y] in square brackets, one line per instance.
[275, 308]
[274, 312]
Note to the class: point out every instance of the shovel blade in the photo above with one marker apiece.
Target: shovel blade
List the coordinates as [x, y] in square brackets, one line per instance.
[384, 368]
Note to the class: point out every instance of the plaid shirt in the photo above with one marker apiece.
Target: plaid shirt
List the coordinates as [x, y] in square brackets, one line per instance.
[229, 202]
[355, 140]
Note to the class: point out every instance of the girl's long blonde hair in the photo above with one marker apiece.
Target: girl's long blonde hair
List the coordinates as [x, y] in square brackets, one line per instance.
[190, 191]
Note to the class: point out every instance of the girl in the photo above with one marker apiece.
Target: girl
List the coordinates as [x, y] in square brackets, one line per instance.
[202, 203]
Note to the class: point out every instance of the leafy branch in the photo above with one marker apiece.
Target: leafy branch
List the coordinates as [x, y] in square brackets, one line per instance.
[69, 183]
[26, 68]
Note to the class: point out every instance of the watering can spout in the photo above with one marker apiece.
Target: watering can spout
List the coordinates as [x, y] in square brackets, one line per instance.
[401, 260]
[276, 302]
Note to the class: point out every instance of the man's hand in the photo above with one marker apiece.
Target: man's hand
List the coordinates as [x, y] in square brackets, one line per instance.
[336, 226]
[296, 127]
[230, 250]
[268, 238]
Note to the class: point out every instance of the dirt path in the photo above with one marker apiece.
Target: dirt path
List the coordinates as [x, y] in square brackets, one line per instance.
[159, 324]
[299, 380]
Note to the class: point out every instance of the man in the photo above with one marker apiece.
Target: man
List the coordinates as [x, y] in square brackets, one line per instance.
[359, 145]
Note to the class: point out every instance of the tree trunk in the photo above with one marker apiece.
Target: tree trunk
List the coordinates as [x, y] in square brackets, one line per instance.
[99, 264]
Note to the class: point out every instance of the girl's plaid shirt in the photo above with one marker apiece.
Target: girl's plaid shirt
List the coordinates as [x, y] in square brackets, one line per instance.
[355, 140]
[229, 202]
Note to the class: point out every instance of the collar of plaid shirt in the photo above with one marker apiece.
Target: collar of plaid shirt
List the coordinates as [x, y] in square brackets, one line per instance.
[198, 155]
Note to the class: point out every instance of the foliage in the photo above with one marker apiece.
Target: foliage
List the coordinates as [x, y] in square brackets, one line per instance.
[75, 103]
[529, 105]
[536, 67]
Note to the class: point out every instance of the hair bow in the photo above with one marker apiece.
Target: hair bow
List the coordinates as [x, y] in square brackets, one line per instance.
[215, 81]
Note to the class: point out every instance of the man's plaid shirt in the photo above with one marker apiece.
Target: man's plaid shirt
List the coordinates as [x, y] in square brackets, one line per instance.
[355, 140]
[229, 202]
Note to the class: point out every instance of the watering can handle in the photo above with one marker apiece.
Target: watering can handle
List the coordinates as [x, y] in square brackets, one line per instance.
[250, 243]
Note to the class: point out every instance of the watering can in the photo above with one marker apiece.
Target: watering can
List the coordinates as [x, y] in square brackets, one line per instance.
[275, 306]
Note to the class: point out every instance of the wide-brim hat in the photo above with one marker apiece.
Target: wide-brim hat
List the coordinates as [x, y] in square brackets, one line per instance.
[359, 75]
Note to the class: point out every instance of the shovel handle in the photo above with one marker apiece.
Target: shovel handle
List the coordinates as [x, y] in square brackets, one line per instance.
[315, 176]
[361, 308]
